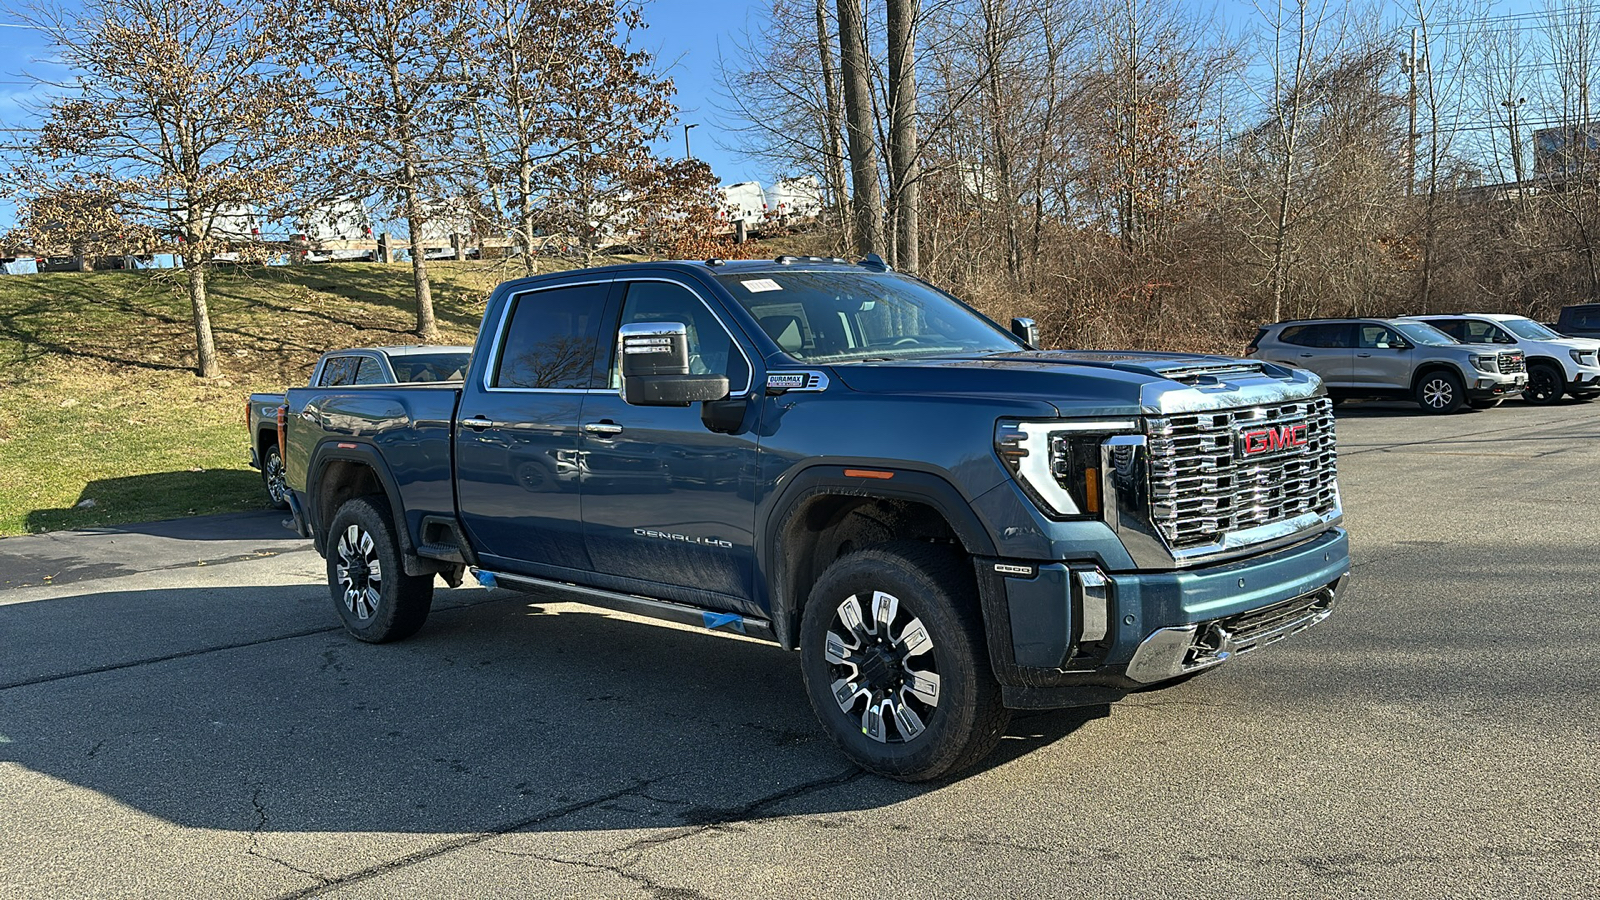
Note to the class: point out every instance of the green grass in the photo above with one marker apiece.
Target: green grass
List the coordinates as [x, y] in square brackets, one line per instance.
[98, 400]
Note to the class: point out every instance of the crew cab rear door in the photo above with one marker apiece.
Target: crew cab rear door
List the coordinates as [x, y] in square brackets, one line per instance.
[1326, 348]
[666, 499]
[517, 439]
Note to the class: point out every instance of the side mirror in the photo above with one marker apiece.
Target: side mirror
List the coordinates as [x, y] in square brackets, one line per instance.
[655, 367]
[1028, 330]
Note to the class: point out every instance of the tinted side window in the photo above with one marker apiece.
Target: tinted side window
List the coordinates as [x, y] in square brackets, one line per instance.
[1460, 329]
[369, 371]
[338, 371]
[711, 350]
[1325, 335]
[551, 338]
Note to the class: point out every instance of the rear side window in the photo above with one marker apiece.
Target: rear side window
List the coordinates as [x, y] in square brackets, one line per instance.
[339, 370]
[1326, 335]
[550, 338]
[1460, 329]
[369, 371]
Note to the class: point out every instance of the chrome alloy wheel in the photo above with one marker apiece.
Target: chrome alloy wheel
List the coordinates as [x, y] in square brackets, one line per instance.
[277, 486]
[359, 572]
[1438, 393]
[881, 670]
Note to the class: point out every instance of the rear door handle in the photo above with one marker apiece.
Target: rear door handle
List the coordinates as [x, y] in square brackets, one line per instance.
[479, 423]
[603, 428]
[1305, 356]
[1364, 355]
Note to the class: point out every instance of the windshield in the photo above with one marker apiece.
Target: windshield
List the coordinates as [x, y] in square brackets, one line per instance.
[1528, 328]
[1426, 335]
[839, 316]
[413, 367]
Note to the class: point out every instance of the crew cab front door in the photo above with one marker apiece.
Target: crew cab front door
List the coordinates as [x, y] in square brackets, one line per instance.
[517, 439]
[667, 500]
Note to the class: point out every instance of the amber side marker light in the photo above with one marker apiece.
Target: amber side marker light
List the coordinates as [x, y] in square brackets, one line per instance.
[867, 473]
[1091, 490]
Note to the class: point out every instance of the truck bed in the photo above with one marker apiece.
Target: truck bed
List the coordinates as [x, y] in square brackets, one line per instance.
[405, 432]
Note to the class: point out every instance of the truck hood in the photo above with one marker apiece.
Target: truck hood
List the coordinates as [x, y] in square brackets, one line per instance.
[1091, 382]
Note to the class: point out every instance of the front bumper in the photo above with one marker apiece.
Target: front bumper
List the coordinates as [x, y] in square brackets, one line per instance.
[1072, 630]
[1490, 387]
[1584, 381]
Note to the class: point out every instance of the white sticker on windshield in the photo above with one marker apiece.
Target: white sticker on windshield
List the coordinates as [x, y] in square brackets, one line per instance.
[758, 285]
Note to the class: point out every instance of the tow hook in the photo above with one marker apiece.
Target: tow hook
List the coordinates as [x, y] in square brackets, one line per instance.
[1214, 646]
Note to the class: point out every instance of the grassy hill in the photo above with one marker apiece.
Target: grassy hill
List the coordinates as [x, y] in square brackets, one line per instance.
[98, 400]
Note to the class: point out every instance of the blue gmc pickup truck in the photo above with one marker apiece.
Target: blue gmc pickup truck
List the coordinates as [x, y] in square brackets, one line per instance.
[946, 522]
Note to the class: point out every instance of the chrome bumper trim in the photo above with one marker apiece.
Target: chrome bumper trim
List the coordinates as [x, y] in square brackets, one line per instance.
[1169, 653]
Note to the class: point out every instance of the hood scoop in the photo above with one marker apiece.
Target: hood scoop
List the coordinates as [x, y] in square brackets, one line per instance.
[1205, 375]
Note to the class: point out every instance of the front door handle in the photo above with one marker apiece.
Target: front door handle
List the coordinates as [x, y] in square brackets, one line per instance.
[1305, 356]
[479, 423]
[603, 428]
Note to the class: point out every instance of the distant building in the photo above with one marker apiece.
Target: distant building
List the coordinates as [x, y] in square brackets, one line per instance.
[1565, 150]
[745, 200]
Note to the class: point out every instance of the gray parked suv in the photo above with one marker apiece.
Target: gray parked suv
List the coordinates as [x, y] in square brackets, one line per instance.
[1395, 359]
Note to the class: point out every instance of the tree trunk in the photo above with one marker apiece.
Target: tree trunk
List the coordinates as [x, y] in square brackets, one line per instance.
[997, 132]
[904, 148]
[205, 347]
[427, 328]
[833, 129]
[867, 200]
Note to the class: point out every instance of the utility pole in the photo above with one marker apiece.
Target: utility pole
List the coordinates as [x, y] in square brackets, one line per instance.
[688, 154]
[1516, 143]
[1409, 63]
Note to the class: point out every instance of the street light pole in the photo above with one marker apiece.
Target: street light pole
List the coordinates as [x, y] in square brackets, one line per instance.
[689, 154]
[1516, 142]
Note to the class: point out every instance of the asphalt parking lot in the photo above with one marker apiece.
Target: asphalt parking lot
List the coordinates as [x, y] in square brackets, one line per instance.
[176, 729]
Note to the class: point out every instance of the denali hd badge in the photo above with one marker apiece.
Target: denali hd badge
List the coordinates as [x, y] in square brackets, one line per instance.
[1256, 441]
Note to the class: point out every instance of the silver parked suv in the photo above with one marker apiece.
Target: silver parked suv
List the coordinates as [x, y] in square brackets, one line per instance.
[1395, 359]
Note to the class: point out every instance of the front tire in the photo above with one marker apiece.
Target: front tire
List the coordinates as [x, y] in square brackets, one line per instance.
[1440, 392]
[1546, 384]
[273, 478]
[377, 601]
[896, 665]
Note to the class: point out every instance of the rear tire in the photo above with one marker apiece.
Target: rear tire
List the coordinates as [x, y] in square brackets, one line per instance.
[1546, 384]
[1440, 392]
[377, 601]
[896, 631]
[272, 477]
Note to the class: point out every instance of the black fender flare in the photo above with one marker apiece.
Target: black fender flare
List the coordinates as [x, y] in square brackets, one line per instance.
[828, 478]
[343, 449]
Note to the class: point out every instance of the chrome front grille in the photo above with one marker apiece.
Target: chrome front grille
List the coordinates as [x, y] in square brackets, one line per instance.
[1213, 474]
[1512, 363]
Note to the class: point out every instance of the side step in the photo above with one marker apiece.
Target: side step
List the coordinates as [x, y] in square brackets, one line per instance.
[760, 629]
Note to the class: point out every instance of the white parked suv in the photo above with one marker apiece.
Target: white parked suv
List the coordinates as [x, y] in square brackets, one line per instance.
[1557, 364]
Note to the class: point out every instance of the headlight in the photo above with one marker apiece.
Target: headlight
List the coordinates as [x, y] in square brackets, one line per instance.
[1578, 357]
[1057, 462]
[1486, 362]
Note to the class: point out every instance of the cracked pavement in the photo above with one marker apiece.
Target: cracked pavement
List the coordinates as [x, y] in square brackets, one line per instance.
[180, 730]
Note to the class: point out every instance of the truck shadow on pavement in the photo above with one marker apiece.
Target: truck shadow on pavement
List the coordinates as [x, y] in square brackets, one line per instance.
[249, 709]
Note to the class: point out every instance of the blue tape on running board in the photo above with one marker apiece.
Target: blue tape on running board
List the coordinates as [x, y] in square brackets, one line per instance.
[486, 579]
[717, 620]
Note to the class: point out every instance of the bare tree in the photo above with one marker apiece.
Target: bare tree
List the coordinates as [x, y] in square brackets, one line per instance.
[905, 174]
[860, 118]
[177, 117]
[394, 72]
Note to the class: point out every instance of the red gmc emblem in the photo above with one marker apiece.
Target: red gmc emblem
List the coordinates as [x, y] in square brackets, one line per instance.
[1256, 441]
